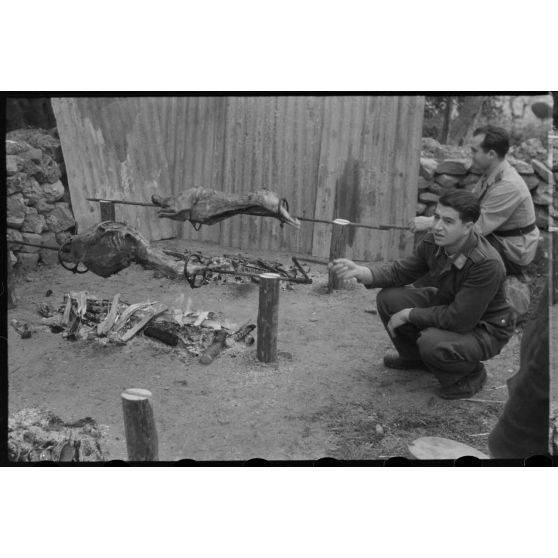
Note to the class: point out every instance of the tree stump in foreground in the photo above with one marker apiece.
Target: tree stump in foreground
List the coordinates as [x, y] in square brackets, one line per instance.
[139, 425]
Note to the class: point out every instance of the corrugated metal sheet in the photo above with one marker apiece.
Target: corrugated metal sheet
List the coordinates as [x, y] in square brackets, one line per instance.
[194, 129]
[368, 166]
[114, 148]
[351, 157]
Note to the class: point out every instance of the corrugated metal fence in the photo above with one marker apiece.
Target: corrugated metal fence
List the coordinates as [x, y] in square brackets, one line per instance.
[354, 157]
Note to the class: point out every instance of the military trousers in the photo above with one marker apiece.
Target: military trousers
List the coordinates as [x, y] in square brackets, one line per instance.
[449, 355]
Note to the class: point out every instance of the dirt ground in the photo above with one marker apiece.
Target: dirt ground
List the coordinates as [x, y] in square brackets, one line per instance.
[324, 397]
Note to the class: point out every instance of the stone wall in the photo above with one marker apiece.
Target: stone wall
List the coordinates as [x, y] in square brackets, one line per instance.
[445, 168]
[38, 199]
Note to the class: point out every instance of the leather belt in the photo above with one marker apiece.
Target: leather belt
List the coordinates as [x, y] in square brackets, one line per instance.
[517, 232]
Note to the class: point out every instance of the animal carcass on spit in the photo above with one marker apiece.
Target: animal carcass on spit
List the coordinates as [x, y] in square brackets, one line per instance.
[110, 247]
[201, 206]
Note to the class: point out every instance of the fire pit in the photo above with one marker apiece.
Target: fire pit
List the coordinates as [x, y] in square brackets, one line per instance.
[83, 316]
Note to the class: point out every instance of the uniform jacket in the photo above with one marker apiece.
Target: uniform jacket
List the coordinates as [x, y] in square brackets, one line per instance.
[470, 286]
[506, 204]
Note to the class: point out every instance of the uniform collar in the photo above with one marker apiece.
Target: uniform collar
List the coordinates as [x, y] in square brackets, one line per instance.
[496, 174]
[460, 258]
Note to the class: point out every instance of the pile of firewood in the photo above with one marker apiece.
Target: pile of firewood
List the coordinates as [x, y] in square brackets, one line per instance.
[84, 316]
[39, 435]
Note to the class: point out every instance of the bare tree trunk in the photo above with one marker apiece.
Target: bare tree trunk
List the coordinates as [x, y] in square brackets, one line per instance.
[464, 125]
[447, 119]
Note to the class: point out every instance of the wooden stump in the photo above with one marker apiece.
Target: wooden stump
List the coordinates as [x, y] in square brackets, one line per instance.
[268, 317]
[337, 249]
[107, 211]
[139, 425]
[12, 297]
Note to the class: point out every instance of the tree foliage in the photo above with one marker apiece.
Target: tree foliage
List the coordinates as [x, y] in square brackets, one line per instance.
[451, 119]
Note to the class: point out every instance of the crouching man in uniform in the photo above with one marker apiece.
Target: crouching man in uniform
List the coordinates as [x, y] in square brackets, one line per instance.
[464, 319]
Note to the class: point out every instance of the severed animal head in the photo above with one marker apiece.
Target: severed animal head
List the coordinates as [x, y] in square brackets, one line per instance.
[279, 206]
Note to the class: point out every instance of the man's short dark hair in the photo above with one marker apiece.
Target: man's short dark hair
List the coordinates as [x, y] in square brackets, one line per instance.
[495, 138]
[464, 202]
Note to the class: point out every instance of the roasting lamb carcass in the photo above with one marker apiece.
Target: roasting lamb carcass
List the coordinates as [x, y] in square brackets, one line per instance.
[201, 206]
[110, 247]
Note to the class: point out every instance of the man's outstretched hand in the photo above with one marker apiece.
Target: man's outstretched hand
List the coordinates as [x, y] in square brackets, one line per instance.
[421, 223]
[347, 269]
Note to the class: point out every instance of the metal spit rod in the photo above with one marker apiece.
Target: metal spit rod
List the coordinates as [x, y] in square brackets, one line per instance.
[308, 219]
[35, 245]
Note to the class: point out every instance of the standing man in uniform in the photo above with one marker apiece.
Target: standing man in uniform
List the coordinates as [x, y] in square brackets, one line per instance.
[507, 217]
[463, 319]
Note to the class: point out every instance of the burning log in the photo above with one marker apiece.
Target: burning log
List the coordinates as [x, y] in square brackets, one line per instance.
[151, 313]
[161, 334]
[132, 309]
[243, 332]
[105, 326]
[215, 348]
[66, 316]
[202, 206]
[73, 328]
[82, 304]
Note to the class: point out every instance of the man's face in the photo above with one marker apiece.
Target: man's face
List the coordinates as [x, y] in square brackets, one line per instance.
[481, 160]
[448, 228]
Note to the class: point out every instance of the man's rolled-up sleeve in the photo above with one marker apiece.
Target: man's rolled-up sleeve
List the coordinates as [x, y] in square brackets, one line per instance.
[497, 207]
[470, 303]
